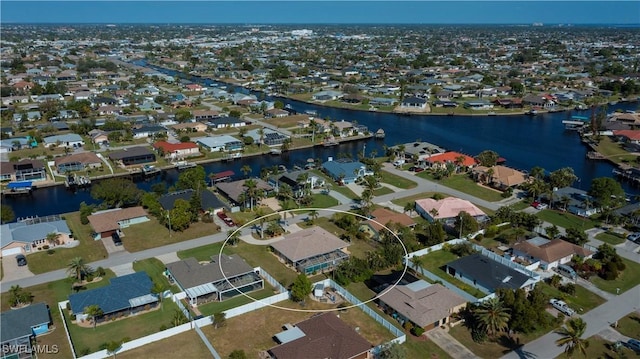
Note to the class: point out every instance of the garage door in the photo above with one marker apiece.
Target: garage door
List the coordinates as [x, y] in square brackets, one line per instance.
[11, 251]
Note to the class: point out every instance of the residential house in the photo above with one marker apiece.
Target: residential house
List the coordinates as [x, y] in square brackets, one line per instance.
[105, 223]
[224, 277]
[447, 209]
[424, 305]
[70, 140]
[457, 159]
[132, 156]
[312, 250]
[190, 127]
[77, 162]
[418, 151]
[345, 171]
[276, 113]
[291, 179]
[321, 336]
[382, 101]
[549, 253]
[194, 87]
[99, 136]
[574, 200]
[327, 95]
[268, 137]
[381, 217]
[499, 177]
[235, 190]
[413, 103]
[491, 273]
[204, 115]
[146, 91]
[125, 295]
[208, 201]
[179, 150]
[24, 170]
[28, 236]
[478, 105]
[148, 131]
[220, 143]
[538, 101]
[508, 103]
[20, 327]
[226, 122]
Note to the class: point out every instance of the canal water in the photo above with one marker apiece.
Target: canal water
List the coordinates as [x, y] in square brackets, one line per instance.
[524, 141]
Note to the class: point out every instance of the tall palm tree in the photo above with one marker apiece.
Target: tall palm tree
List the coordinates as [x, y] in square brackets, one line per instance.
[313, 215]
[78, 268]
[492, 316]
[246, 169]
[410, 207]
[417, 262]
[251, 186]
[571, 335]
[93, 311]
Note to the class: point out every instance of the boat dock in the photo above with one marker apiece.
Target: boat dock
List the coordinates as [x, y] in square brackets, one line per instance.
[183, 165]
[576, 123]
[18, 188]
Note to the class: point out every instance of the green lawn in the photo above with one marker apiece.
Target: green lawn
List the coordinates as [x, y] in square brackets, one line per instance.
[610, 238]
[421, 348]
[243, 217]
[323, 201]
[88, 340]
[152, 234]
[600, 348]
[583, 299]
[465, 184]
[565, 219]
[382, 191]
[630, 325]
[154, 268]
[434, 260]
[397, 181]
[218, 307]
[518, 206]
[88, 249]
[627, 279]
[203, 253]
[409, 199]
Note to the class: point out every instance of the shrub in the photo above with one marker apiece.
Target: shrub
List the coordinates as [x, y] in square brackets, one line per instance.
[73, 317]
[163, 327]
[417, 331]
[50, 251]
[407, 326]
[569, 288]
[100, 272]
[46, 246]
[491, 231]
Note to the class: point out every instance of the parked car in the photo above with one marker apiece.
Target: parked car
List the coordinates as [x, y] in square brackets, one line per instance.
[539, 205]
[562, 307]
[633, 344]
[634, 237]
[21, 259]
[116, 239]
[226, 219]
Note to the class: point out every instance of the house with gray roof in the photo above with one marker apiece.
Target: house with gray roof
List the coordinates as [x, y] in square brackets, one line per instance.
[489, 274]
[425, 305]
[125, 295]
[222, 278]
[345, 171]
[311, 250]
[133, 156]
[20, 327]
[30, 235]
[220, 143]
[70, 140]
[208, 201]
[235, 190]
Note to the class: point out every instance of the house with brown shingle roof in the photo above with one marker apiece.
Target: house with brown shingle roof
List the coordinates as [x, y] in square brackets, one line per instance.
[233, 190]
[425, 305]
[77, 162]
[550, 253]
[311, 250]
[319, 337]
[500, 177]
[382, 217]
[106, 223]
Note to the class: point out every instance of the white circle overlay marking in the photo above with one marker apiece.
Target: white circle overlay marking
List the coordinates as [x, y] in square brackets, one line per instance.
[404, 271]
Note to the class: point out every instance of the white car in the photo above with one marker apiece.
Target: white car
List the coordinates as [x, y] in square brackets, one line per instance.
[562, 307]
[634, 237]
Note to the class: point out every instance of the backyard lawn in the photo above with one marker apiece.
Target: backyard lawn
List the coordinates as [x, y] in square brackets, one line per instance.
[183, 345]
[565, 219]
[397, 181]
[465, 184]
[217, 307]
[270, 321]
[627, 279]
[88, 249]
[89, 340]
[152, 234]
[610, 238]
[600, 348]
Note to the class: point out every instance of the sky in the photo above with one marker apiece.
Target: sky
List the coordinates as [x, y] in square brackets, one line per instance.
[322, 12]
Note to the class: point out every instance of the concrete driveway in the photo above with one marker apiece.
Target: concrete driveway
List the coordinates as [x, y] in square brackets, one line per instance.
[111, 247]
[11, 271]
[449, 344]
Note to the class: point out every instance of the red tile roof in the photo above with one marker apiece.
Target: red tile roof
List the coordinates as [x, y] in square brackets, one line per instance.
[171, 147]
[451, 156]
[633, 135]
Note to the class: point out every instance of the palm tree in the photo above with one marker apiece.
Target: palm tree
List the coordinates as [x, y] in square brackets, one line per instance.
[261, 133]
[93, 311]
[234, 237]
[251, 185]
[178, 318]
[246, 170]
[492, 316]
[52, 238]
[313, 215]
[434, 213]
[261, 215]
[410, 207]
[571, 335]
[417, 262]
[78, 268]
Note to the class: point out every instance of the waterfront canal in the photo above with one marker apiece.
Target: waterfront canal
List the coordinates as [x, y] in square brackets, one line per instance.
[525, 141]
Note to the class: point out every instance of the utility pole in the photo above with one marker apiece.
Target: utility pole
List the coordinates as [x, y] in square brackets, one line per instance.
[169, 218]
[461, 225]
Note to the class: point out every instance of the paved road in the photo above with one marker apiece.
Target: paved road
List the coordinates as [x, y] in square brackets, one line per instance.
[597, 320]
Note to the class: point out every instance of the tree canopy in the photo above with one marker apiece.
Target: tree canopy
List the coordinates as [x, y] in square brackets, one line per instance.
[301, 288]
[116, 192]
[606, 191]
[488, 158]
[192, 178]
